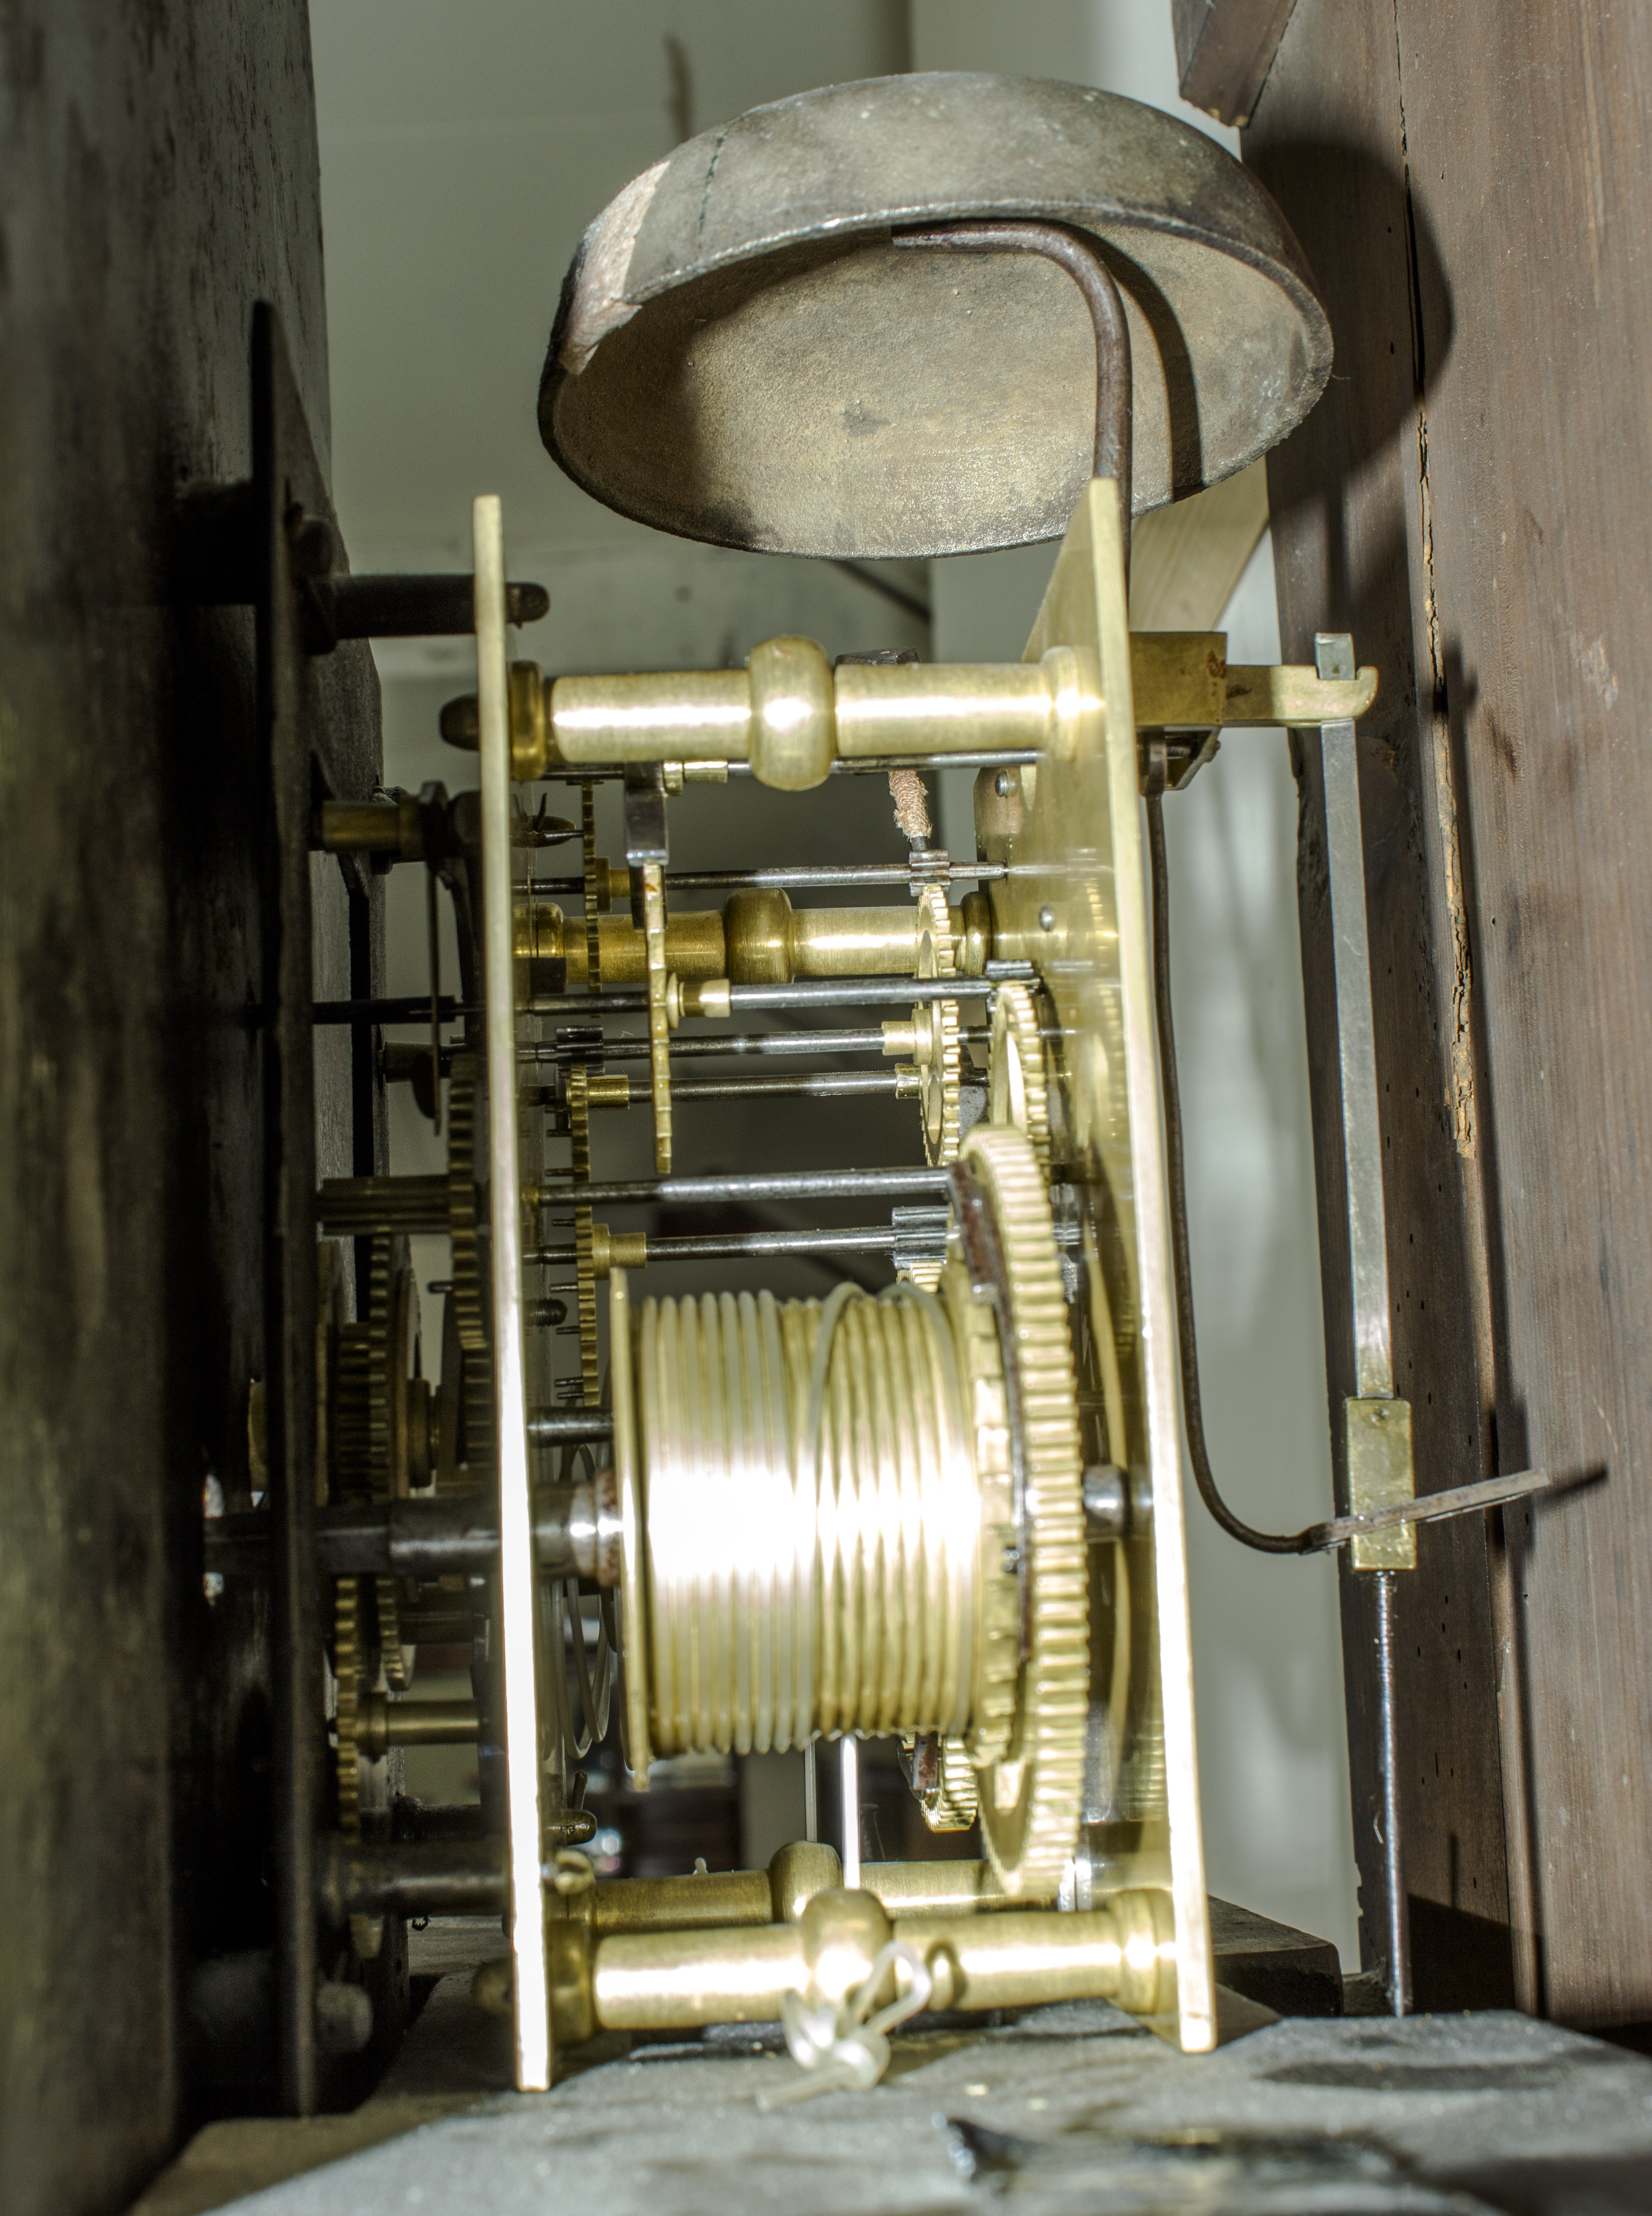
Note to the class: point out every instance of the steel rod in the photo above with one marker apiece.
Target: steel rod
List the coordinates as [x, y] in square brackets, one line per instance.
[1079, 254]
[1399, 1935]
[724, 1246]
[798, 878]
[880, 764]
[633, 1046]
[848, 1750]
[779, 1185]
[868, 765]
[819, 1085]
[625, 1002]
[1434, 1507]
[858, 992]
[555, 1427]
[408, 1008]
[451, 1536]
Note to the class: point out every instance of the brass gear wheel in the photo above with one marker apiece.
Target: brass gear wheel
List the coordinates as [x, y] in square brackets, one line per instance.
[588, 876]
[464, 1207]
[466, 1217]
[376, 1410]
[953, 1802]
[1018, 1085]
[997, 1668]
[1031, 1793]
[939, 1050]
[347, 1678]
[579, 1132]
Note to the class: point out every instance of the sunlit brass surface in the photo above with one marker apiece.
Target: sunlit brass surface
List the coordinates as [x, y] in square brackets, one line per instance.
[825, 1504]
[797, 1873]
[852, 942]
[1295, 696]
[371, 826]
[790, 1594]
[677, 1980]
[708, 1900]
[755, 939]
[819, 1503]
[942, 1888]
[1377, 1442]
[873, 710]
[633, 1604]
[718, 1899]
[790, 737]
[1075, 904]
[617, 1250]
[381, 1723]
[1180, 680]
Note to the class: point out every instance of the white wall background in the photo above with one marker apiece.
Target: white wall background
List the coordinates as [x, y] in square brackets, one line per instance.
[465, 145]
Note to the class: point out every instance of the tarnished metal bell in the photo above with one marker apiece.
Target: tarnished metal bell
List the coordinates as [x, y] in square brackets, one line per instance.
[742, 355]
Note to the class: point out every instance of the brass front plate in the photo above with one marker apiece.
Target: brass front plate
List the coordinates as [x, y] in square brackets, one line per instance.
[1075, 903]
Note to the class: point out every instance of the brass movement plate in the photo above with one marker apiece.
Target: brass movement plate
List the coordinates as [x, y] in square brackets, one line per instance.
[1075, 903]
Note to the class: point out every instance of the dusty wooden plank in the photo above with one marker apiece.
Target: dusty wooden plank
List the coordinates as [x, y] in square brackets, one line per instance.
[1529, 162]
[160, 171]
[1326, 141]
[1224, 49]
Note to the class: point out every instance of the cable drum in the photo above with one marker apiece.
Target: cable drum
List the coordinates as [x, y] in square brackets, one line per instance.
[812, 1519]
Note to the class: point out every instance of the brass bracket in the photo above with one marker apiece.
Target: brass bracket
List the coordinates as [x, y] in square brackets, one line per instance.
[1377, 1439]
[1182, 680]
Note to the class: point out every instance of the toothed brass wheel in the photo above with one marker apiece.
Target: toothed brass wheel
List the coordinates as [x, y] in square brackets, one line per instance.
[953, 1802]
[1031, 1795]
[349, 1688]
[1018, 1085]
[938, 1051]
[466, 1216]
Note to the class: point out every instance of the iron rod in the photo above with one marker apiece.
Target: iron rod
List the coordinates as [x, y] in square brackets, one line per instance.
[819, 1085]
[422, 1538]
[779, 1185]
[799, 877]
[880, 764]
[625, 1002]
[871, 766]
[1388, 1759]
[722, 1245]
[633, 1046]
[410, 1008]
[555, 1427]
[1079, 254]
[858, 992]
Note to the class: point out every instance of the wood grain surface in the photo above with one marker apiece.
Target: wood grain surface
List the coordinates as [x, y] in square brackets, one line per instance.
[159, 174]
[1468, 183]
